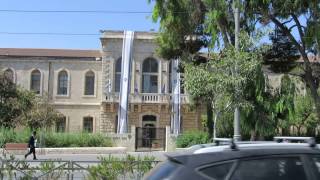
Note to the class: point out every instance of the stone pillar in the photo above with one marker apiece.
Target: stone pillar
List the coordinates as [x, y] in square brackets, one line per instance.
[170, 140]
[132, 146]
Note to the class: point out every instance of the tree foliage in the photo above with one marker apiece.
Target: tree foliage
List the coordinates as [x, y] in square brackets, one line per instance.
[181, 27]
[42, 115]
[290, 16]
[304, 115]
[185, 29]
[14, 102]
[21, 107]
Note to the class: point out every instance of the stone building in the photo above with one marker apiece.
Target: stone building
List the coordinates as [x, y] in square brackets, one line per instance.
[84, 84]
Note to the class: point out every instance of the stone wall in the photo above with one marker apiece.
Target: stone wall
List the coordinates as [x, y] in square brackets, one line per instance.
[190, 117]
[124, 140]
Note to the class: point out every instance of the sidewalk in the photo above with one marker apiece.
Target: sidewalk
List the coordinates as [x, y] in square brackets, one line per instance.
[73, 150]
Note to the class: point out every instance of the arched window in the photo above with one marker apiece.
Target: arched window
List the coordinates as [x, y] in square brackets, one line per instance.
[35, 81]
[117, 80]
[63, 83]
[89, 83]
[150, 76]
[8, 73]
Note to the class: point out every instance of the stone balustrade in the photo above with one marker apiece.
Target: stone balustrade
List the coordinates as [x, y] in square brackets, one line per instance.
[147, 98]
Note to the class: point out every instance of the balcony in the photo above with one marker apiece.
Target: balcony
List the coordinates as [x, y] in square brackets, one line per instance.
[146, 98]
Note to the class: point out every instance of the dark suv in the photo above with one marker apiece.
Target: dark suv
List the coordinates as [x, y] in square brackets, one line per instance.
[264, 161]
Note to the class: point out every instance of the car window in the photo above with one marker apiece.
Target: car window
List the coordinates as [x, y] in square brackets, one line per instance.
[162, 171]
[316, 161]
[276, 168]
[218, 171]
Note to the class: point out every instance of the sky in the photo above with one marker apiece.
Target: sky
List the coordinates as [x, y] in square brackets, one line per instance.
[76, 23]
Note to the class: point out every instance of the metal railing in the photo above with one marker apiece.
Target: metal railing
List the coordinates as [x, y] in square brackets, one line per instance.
[69, 170]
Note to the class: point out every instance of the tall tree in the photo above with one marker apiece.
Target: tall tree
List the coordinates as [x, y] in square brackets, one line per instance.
[215, 81]
[290, 16]
[186, 26]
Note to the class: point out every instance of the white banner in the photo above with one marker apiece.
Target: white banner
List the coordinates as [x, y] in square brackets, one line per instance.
[125, 81]
[175, 81]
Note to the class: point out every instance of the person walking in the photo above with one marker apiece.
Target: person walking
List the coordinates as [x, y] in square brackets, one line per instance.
[32, 146]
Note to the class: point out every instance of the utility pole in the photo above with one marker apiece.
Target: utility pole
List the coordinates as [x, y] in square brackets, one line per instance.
[236, 135]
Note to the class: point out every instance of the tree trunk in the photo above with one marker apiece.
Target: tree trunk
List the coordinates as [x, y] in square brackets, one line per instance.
[253, 135]
[209, 119]
[310, 80]
[311, 132]
[285, 132]
[216, 115]
[299, 130]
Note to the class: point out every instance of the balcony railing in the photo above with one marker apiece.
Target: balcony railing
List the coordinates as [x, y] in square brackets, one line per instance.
[147, 98]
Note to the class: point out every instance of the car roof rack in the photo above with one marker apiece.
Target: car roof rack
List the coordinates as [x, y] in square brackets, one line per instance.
[233, 145]
[310, 140]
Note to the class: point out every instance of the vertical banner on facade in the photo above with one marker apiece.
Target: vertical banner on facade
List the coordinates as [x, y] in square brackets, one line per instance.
[175, 81]
[127, 49]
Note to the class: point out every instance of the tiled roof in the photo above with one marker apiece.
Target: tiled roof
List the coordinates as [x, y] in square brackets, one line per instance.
[137, 35]
[49, 52]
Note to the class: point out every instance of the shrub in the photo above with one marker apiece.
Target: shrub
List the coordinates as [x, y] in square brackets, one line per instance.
[10, 135]
[76, 140]
[129, 167]
[51, 139]
[190, 138]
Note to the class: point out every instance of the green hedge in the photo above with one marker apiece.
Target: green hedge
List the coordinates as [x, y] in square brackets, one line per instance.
[76, 140]
[52, 139]
[190, 138]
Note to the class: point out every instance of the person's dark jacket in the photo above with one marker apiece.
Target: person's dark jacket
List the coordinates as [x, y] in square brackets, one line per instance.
[31, 142]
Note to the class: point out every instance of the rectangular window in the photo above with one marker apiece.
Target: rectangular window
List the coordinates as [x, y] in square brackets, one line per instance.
[116, 124]
[117, 82]
[88, 124]
[181, 84]
[150, 83]
[61, 125]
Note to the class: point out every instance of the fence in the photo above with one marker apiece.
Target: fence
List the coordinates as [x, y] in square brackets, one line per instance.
[150, 138]
[73, 170]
